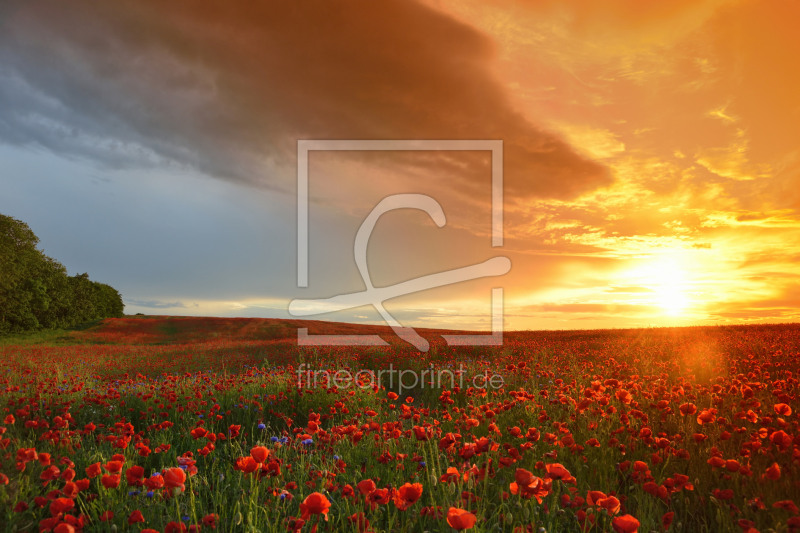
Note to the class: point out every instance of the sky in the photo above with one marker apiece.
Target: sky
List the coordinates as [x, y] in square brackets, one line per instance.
[651, 168]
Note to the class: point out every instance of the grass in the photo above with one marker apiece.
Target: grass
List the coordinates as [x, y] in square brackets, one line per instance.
[141, 387]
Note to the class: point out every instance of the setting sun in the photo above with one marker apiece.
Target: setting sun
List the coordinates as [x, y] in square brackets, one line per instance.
[664, 283]
[671, 294]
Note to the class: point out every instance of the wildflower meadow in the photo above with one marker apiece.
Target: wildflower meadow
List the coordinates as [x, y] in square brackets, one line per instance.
[185, 424]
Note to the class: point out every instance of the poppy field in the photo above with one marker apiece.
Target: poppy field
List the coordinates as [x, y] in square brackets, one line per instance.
[187, 424]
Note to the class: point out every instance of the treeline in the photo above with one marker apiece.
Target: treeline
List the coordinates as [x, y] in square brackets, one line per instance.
[36, 292]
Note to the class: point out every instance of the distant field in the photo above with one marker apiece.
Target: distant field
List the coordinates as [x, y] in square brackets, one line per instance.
[179, 423]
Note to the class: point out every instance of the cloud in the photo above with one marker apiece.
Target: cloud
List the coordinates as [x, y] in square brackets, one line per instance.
[596, 143]
[155, 304]
[228, 88]
[732, 161]
[597, 310]
[751, 217]
[630, 289]
[783, 305]
[691, 106]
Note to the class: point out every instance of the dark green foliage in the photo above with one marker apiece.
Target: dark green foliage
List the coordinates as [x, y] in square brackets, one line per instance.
[36, 292]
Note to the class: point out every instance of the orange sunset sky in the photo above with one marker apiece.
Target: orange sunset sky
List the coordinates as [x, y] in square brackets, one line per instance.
[651, 153]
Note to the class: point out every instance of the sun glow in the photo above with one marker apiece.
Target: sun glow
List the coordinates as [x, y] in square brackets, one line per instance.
[671, 294]
[666, 279]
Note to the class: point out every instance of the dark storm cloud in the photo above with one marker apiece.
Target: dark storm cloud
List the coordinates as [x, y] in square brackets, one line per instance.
[228, 87]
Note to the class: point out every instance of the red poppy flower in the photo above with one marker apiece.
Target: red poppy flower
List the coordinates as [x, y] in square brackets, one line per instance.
[378, 497]
[246, 464]
[460, 519]
[210, 520]
[723, 494]
[259, 453]
[421, 433]
[625, 524]
[557, 471]
[295, 525]
[174, 478]
[624, 396]
[134, 476]
[783, 409]
[111, 481]
[113, 467]
[136, 517]
[154, 482]
[773, 472]
[781, 439]
[407, 495]
[706, 416]
[366, 487]
[61, 505]
[68, 474]
[175, 527]
[93, 470]
[451, 476]
[529, 486]
[315, 503]
[786, 505]
[732, 465]
[610, 504]
[593, 496]
[50, 473]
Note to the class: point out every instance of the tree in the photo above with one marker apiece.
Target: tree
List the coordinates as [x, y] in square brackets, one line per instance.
[35, 290]
[18, 254]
